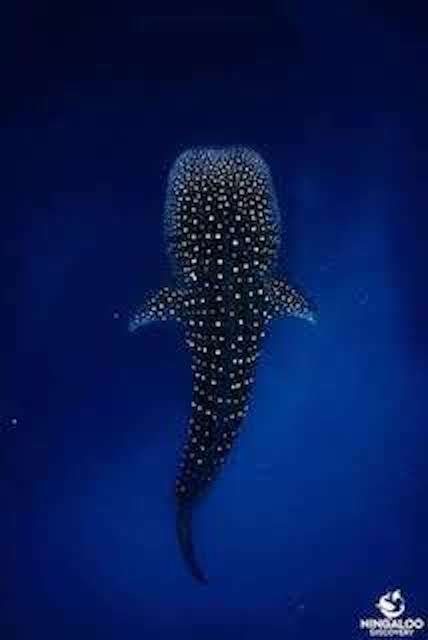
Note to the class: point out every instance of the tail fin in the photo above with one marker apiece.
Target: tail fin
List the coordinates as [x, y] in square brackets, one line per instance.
[185, 540]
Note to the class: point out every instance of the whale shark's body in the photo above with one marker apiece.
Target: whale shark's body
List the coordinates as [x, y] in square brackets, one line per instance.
[223, 234]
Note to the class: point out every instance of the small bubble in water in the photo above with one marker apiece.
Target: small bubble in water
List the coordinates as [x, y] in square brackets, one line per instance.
[8, 424]
[116, 315]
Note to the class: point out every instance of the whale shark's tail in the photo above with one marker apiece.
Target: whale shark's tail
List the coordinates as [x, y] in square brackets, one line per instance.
[185, 540]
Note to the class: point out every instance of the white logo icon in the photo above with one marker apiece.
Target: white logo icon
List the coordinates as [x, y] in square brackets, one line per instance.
[391, 605]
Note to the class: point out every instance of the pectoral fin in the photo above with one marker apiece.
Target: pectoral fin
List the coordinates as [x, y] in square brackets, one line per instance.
[166, 304]
[287, 301]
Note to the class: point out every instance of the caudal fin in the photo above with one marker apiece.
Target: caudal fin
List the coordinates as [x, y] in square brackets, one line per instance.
[185, 540]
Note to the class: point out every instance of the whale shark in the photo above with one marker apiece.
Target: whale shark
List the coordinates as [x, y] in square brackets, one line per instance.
[222, 233]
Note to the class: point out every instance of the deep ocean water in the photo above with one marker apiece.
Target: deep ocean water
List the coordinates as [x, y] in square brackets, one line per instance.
[320, 509]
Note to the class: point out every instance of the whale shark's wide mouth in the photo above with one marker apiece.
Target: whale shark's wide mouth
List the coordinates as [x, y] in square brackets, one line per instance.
[211, 155]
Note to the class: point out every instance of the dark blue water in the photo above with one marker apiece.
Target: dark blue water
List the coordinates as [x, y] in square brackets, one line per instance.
[322, 507]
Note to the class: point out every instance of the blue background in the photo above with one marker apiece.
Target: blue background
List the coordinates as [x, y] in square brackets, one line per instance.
[322, 507]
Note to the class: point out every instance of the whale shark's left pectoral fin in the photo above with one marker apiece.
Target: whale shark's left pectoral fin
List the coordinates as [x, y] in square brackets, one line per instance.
[288, 301]
[166, 304]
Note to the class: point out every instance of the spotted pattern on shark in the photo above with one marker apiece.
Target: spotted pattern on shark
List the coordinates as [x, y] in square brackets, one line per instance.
[223, 236]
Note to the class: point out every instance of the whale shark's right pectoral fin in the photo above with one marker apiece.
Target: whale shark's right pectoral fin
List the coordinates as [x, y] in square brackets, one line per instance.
[288, 301]
[167, 304]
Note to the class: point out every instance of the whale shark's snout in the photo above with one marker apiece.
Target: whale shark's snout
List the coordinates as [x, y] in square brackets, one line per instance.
[221, 211]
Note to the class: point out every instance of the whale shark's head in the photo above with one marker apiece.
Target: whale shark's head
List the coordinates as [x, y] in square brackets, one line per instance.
[222, 217]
